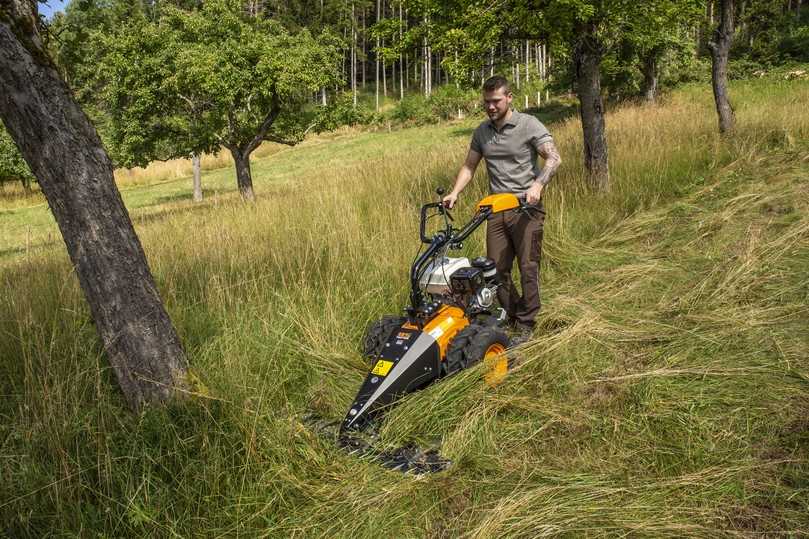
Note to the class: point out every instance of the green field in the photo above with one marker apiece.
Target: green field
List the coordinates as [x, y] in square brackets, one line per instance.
[665, 393]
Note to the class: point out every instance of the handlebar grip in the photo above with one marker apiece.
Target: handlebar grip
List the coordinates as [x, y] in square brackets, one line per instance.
[423, 221]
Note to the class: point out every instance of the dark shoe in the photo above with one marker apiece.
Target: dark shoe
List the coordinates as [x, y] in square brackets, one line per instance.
[521, 334]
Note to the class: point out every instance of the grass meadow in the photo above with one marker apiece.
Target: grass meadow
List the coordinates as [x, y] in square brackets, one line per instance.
[665, 392]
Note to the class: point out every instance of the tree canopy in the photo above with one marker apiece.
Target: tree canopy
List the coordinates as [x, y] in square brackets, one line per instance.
[190, 81]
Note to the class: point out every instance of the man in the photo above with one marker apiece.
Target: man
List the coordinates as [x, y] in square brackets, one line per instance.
[510, 142]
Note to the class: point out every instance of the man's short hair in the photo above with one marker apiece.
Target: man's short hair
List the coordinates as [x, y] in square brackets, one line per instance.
[495, 83]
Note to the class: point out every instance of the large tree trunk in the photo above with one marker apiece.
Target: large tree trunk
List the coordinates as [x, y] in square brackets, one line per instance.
[587, 59]
[197, 165]
[720, 49]
[244, 178]
[75, 174]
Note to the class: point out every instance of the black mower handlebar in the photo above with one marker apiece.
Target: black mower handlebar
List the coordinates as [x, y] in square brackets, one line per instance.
[423, 221]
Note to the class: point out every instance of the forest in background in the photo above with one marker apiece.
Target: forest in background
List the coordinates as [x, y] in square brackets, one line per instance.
[372, 63]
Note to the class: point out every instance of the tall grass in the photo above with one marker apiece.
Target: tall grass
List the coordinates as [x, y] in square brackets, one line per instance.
[665, 393]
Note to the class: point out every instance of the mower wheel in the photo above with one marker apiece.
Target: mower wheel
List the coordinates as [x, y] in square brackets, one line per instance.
[378, 333]
[475, 343]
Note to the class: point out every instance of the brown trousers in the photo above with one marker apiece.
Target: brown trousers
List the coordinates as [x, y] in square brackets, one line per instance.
[517, 234]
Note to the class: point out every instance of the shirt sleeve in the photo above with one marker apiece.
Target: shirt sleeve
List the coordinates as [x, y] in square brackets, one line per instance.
[538, 134]
[475, 145]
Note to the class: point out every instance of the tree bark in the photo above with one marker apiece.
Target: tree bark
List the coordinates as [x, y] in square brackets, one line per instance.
[650, 75]
[720, 49]
[196, 162]
[353, 56]
[527, 62]
[384, 77]
[244, 177]
[376, 58]
[402, 67]
[587, 61]
[74, 172]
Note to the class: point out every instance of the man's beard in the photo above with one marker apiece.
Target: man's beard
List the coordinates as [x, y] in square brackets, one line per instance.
[497, 115]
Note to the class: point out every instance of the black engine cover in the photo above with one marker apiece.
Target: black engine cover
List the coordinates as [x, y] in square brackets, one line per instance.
[466, 280]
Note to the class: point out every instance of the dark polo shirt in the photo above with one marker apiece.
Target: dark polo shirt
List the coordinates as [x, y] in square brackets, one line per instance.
[511, 153]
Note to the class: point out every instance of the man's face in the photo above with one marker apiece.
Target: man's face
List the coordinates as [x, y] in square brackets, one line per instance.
[497, 103]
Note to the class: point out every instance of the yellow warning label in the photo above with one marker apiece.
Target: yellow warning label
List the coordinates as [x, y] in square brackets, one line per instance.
[382, 367]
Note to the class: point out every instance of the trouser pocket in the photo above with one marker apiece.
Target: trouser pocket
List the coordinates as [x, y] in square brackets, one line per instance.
[536, 245]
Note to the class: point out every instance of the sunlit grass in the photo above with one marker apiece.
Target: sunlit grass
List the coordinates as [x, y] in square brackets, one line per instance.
[665, 393]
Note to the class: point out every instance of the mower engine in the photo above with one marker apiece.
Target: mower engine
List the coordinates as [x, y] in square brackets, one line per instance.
[471, 286]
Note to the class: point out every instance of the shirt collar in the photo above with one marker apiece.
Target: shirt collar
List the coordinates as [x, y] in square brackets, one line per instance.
[511, 121]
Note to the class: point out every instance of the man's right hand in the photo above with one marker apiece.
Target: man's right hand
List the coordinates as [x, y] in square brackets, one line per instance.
[450, 200]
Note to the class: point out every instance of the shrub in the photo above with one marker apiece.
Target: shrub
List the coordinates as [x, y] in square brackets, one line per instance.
[414, 109]
[444, 104]
[795, 45]
[12, 165]
[447, 100]
[342, 112]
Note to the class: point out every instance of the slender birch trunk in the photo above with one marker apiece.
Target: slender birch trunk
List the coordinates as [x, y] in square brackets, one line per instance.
[196, 165]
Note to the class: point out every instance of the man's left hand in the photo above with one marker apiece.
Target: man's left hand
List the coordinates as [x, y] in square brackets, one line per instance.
[533, 194]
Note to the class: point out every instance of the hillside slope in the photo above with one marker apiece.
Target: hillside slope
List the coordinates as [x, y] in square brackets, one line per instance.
[666, 392]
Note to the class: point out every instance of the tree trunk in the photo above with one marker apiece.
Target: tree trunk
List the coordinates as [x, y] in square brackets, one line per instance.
[428, 71]
[353, 57]
[587, 57]
[384, 77]
[527, 61]
[402, 67]
[364, 62]
[720, 48]
[74, 172]
[376, 57]
[196, 163]
[650, 75]
[244, 178]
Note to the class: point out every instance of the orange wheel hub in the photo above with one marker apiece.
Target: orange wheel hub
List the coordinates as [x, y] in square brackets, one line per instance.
[496, 364]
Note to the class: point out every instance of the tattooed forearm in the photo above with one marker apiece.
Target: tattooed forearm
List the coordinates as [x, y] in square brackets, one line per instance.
[550, 155]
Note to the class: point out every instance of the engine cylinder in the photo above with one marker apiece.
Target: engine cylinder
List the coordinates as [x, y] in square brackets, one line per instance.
[487, 266]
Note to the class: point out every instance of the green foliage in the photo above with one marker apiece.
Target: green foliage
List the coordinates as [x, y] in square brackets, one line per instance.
[686, 68]
[341, 111]
[448, 100]
[770, 33]
[193, 80]
[12, 166]
[445, 103]
[415, 109]
[795, 44]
